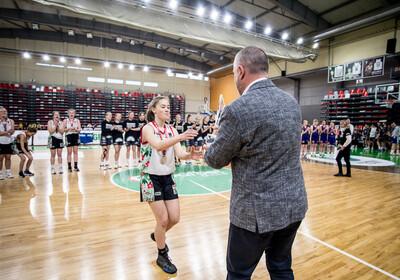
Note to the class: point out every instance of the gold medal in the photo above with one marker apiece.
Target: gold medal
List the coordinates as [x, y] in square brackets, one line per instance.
[163, 159]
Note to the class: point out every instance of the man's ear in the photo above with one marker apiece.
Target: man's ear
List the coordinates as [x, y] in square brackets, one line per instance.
[241, 72]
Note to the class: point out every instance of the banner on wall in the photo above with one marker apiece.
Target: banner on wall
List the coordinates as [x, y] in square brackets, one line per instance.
[353, 70]
[367, 68]
[336, 73]
[373, 67]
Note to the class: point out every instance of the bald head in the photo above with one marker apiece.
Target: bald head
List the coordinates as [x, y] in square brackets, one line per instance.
[253, 59]
[250, 64]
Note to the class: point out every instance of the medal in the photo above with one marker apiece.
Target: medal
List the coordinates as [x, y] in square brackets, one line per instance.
[164, 157]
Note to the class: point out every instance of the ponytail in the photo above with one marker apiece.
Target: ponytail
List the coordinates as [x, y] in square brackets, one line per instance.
[149, 113]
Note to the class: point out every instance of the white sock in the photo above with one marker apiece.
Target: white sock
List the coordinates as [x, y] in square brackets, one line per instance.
[8, 171]
[106, 162]
[52, 166]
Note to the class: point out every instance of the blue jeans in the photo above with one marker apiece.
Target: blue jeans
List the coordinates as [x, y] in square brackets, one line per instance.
[245, 249]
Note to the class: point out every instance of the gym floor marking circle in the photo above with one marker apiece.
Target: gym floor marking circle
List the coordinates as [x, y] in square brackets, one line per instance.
[217, 181]
[358, 161]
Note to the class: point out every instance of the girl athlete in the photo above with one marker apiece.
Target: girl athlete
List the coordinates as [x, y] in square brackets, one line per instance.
[344, 149]
[72, 129]
[323, 132]
[205, 129]
[160, 144]
[198, 140]
[106, 140]
[314, 137]
[130, 142]
[332, 132]
[395, 137]
[56, 143]
[24, 152]
[305, 137]
[118, 140]
[141, 122]
[6, 140]
[190, 142]
[178, 125]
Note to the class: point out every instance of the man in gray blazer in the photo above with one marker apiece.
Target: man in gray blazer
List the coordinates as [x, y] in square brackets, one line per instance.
[259, 135]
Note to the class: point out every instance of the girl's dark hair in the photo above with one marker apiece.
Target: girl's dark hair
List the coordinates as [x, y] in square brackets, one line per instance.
[32, 129]
[149, 114]
[187, 118]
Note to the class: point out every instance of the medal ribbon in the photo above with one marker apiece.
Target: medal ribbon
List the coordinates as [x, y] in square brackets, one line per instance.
[161, 135]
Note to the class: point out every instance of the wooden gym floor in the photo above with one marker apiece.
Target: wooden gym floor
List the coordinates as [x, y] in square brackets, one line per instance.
[81, 226]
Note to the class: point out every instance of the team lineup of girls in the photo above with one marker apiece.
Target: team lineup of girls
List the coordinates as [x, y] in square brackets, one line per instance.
[323, 135]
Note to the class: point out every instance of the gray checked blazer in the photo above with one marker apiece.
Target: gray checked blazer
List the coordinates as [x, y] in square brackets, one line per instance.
[260, 135]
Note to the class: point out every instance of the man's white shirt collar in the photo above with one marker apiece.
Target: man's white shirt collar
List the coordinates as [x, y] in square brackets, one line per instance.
[255, 81]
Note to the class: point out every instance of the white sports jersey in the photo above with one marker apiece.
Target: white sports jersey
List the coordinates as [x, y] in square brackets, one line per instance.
[151, 158]
[73, 123]
[5, 126]
[56, 134]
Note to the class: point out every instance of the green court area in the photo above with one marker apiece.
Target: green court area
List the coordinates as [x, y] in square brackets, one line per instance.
[190, 179]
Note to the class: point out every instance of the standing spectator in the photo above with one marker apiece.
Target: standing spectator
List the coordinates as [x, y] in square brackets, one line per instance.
[72, 129]
[56, 143]
[259, 135]
[118, 139]
[372, 137]
[365, 135]
[6, 139]
[350, 126]
[106, 140]
[395, 137]
[344, 148]
[130, 141]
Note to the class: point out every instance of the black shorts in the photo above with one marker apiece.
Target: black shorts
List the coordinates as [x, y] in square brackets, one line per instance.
[72, 140]
[106, 140]
[20, 149]
[189, 143]
[119, 141]
[163, 187]
[6, 149]
[55, 143]
[131, 140]
[198, 142]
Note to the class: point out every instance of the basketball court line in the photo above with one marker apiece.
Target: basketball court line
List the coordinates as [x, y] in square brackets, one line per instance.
[210, 190]
[321, 242]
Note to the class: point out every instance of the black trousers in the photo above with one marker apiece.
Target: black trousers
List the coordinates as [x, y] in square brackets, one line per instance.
[245, 248]
[346, 155]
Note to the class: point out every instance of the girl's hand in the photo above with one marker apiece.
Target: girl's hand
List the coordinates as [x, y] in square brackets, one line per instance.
[215, 129]
[196, 155]
[113, 127]
[188, 134]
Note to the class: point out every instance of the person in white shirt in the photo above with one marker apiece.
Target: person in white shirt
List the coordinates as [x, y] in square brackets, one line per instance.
[372, 137]
[350, 126]
[56, 129]
[160, 144]
[72, 128]
[6, 140]
[395, 137]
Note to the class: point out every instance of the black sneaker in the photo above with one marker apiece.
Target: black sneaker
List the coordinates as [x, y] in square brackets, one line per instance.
[69, 169]
[347, 175]
[166, 264]
[76, 169]
[154, 239]
[28, 173]
[21, 174]
[338, 175]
